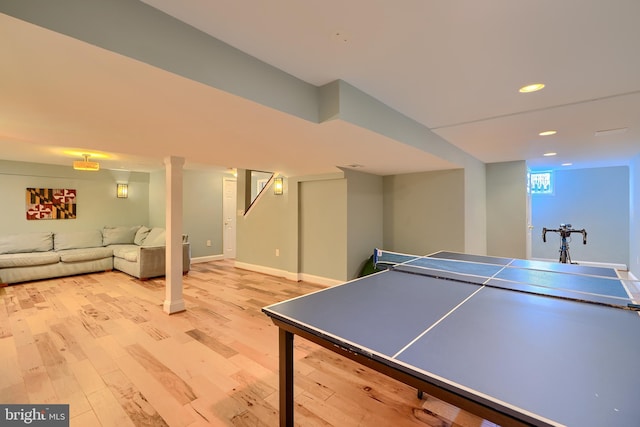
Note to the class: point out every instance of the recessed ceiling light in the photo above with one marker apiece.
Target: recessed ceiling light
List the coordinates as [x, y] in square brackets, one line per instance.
[567, 164]
[531, 88]
[548, 132]
[550, 154]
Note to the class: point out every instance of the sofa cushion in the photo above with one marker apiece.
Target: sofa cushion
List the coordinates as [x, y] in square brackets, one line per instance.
[27, 242]
[155, 238]
[77, 240]
[85, 254]
[119, 235]
[141, 234]
[28, 259]
[129, 253]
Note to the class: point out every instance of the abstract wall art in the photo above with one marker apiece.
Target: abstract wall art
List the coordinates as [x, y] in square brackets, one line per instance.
[48, 203]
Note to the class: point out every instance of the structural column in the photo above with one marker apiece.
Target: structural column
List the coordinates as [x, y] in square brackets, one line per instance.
[174, 301]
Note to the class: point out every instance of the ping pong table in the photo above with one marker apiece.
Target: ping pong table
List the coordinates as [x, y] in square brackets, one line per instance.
[516, 342]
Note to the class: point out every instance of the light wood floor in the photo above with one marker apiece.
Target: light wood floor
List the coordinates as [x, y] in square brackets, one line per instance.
[101, 343]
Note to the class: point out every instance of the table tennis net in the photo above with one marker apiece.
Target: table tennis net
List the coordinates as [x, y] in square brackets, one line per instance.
[501, 273]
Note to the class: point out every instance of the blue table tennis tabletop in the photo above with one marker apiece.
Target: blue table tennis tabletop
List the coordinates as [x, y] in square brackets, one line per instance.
[512, 356]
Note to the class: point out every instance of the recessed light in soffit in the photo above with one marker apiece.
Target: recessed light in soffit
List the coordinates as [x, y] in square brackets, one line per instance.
[534, 87]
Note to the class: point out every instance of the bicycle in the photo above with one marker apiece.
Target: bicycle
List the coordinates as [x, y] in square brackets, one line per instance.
[565, 232]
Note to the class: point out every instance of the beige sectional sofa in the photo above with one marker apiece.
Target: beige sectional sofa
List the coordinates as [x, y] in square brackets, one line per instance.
[143, 256]
[138, 251]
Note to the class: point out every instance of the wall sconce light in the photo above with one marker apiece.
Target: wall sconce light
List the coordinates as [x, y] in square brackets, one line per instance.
[122, 191]
[278, 186]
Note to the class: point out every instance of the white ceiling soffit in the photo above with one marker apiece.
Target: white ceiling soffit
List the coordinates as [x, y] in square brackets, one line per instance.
[454, 67]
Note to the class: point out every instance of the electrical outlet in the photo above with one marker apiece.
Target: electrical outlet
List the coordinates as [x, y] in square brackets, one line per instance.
[277, 252]
[208, 242]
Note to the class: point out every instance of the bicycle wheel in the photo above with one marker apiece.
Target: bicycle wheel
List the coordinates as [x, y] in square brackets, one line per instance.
[563, 257]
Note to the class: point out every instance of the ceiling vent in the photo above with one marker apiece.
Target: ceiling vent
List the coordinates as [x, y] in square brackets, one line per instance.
[608, 132]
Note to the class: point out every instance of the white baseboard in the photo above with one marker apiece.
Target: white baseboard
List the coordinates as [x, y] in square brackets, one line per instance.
[296, 277]
[267, 270]
[207, 258]
[319, 280]
[589, 263]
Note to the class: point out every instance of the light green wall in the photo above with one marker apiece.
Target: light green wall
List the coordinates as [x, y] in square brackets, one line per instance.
[263, 229]
[507, 209]
[202, 214]
[596, 199]
[592, 198]
[97, 204]
[157, 211]
[364, 218]
[425, 212]
[202, 208]
[323, 228]
[475, 207]
[307, 225]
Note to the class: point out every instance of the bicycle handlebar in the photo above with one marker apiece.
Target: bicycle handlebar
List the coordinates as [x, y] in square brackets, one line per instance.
[565, 230]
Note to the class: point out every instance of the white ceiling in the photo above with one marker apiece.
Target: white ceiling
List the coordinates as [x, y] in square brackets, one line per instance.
[454, 66]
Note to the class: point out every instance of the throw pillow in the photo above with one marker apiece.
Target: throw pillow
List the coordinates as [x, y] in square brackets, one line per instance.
[141, 234]
[77, 240]
[119, 235]
[27, 242]
[155, 238]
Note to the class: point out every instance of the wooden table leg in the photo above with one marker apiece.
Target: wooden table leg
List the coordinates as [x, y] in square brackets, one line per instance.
[286, 378]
